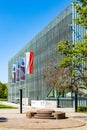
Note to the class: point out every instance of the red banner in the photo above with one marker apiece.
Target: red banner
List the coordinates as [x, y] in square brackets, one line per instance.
[29, 62]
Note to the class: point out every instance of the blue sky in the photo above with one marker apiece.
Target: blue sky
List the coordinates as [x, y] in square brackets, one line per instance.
[20, 21]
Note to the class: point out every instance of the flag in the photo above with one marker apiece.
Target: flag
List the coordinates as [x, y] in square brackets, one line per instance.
[18, 72]
[22, 73]
[22, 69]
[14, 73]
[29, 62]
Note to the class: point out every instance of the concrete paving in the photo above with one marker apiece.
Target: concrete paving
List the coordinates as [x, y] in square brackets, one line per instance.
[17, 121]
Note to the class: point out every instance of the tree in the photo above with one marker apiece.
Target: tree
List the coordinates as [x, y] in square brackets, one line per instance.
[57, 78]
[75, 56]
[6, 91]
[3, 90]
[75, 59]
[71, 73]
[81, 7]
[50, 73]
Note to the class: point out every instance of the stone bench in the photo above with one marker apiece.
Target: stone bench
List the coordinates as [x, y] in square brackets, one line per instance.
[59, 115]
[30, 114]
[45, 114]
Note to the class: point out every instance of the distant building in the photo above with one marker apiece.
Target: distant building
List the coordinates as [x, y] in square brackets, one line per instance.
[44, 46]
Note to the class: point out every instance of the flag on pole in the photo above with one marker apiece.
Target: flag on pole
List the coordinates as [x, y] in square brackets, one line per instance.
[29, 62]
[18, 72]
[14, 73]
[22, 69]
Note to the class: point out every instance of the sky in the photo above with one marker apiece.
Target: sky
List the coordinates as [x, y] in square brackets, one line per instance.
[20, 22]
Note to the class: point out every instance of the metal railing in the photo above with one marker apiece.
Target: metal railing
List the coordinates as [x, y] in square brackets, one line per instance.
[69, 102]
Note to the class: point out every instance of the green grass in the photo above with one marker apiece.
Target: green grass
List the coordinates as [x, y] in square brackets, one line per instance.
[2, 106]
[82, 112]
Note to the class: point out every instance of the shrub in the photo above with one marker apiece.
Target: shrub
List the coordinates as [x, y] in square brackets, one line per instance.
[82, 109]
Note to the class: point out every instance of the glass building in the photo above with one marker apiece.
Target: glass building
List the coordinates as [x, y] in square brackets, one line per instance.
[44, 46]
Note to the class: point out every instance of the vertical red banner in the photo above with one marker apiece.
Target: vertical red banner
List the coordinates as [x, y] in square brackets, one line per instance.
[31, 62]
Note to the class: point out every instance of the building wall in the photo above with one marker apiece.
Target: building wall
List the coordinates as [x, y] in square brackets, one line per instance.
[44, 45]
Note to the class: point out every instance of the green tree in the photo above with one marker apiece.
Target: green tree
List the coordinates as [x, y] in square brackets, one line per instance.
[6, 91]
[81, 7]
[75, 56]
[3, 90]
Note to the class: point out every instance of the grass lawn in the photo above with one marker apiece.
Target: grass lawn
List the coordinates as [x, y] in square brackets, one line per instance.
[2, 106]
[83, 112]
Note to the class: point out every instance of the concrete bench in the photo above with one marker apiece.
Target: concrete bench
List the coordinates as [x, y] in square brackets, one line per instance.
[59, 115]
[30, 114]
[46, 114]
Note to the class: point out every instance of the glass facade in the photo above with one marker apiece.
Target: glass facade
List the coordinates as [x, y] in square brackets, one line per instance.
[44, 46]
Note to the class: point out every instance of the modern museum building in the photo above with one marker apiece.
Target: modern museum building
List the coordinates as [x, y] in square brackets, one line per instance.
[43, 46]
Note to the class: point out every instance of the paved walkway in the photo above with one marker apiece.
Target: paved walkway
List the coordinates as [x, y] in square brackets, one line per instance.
[17, 121]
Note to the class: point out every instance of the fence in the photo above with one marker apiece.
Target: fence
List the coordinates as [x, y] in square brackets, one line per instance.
[69, 102]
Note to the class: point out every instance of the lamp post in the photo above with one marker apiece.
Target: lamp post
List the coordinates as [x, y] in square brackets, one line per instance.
[76, 100]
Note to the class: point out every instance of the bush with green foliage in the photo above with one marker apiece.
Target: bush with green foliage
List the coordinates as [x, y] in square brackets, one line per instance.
[3, 90]
[82, 109]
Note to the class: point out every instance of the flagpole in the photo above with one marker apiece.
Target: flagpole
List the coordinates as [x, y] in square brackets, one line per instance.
[21, 101]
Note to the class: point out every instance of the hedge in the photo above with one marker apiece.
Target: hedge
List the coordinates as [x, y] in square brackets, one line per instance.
[82, 109]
